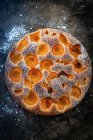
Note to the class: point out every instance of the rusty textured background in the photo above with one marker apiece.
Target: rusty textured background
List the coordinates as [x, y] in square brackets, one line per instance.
[18, 17]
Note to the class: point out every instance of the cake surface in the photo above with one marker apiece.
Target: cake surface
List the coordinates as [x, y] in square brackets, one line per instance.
[48, 71]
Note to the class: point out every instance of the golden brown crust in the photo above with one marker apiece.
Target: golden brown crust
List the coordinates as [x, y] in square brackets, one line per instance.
[48, 71]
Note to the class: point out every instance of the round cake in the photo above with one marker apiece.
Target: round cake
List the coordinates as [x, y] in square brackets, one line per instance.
[48, 71]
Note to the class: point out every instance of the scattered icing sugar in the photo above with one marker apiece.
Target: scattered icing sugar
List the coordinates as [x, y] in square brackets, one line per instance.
[6, 46]
[13, 35]
[20, 15]
[16, 32]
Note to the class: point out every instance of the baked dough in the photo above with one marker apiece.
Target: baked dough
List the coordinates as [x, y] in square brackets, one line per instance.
[48, 71]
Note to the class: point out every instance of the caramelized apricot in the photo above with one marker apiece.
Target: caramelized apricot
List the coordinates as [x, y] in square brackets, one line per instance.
[45, 64]
[35, 75]
[31, 60]
[22, 45]
[35, 37]
[76, 92]
[51, 76]
[42, 49]
[15, 74]
[81, 82]
[58, 49]
[31, 98]
[50, 90]
[46, 32]
[15, 57]
[53, 34]
[18, 91]
[78, 67]
[63, 101]
[63, 39]
[60, 106]
[77, 64]
[75, 50]
[46, 102]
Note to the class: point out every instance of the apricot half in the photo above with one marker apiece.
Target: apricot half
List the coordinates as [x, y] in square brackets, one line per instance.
[35, 36]
[15, 57]
[45, 64]
[31, 98]
[75, 50]
[35, 75]
[76, 92]
[22, 45]
[63, 39]
[82, 81]
[42, 49]
[31, 60]
[63, 101]
[46, 102]
[15, 74]
[78, 67]
[58, 49]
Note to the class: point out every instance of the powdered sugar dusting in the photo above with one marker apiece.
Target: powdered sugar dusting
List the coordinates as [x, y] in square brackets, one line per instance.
[15, 33]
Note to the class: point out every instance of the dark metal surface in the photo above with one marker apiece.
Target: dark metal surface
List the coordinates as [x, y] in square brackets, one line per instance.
[18, 17]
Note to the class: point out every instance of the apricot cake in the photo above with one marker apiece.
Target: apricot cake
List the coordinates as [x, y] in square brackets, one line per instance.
[48, 71]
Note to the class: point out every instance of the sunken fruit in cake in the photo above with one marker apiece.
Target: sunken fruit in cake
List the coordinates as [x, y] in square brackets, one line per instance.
[48, 71]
